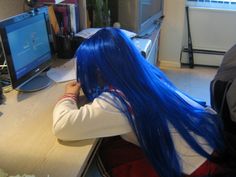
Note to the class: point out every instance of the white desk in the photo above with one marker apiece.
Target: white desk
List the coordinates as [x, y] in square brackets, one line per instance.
[27, 144]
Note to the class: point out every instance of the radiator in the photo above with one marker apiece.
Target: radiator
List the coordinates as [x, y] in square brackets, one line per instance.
[211, 30]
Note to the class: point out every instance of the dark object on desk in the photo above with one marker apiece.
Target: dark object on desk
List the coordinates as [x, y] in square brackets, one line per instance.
[67, 46]
[190, 47]
[1, 94]
[31, 3]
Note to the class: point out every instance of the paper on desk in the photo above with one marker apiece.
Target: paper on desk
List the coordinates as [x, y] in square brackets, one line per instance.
[63, 73]
[87, 33]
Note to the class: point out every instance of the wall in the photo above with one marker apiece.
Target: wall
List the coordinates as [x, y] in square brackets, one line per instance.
[172, 33]
[10, 8]
[211, 29]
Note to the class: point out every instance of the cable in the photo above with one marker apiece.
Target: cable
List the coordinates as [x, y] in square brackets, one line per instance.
[3, 65]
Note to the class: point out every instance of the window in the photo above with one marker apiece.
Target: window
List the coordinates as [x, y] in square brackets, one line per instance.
[223, 4]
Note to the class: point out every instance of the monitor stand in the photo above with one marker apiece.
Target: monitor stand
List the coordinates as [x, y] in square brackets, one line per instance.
[37, 83]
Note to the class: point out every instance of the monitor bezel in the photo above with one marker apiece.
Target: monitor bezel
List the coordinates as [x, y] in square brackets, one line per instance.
[17, 82]
[151, 22]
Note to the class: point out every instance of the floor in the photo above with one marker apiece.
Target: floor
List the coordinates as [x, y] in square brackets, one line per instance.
[195, 82]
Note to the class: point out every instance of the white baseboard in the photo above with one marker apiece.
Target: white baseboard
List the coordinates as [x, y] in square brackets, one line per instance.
[203, 59]
[169, 64]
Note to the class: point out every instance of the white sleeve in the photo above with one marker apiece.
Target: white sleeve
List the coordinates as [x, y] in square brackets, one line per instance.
[98, 119]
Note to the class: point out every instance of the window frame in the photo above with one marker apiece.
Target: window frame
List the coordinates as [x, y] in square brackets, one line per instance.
[216, 4]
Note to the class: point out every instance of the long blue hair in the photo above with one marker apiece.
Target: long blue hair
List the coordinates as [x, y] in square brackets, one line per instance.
[155, 102]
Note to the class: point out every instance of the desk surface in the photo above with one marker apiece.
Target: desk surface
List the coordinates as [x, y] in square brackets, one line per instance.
[27, 144]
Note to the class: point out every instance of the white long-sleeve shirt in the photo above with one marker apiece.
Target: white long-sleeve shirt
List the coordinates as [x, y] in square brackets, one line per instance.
[101, 119]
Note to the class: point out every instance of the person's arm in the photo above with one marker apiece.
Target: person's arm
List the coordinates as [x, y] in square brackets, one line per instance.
[98, 119]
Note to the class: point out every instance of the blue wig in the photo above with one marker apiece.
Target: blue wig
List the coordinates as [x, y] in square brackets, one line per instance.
[154, 100]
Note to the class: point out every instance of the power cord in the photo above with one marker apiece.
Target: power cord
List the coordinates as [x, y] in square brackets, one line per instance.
[4, 77]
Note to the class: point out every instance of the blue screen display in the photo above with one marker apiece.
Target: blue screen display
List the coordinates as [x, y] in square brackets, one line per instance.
[29, 44]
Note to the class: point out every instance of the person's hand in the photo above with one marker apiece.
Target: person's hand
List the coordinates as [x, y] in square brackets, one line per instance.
[73, 88]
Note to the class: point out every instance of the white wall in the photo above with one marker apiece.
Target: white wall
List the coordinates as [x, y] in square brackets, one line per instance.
[10, 8]
[172, 33]
[211, 29]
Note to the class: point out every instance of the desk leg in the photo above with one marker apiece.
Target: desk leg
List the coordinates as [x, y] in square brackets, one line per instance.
[91, 158]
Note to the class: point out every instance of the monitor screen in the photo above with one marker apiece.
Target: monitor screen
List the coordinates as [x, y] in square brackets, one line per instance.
[25, 40]
[140, 16]
[150, 8]
[29, 44]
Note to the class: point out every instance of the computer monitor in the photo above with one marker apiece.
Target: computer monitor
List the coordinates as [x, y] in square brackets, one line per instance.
[26, 48]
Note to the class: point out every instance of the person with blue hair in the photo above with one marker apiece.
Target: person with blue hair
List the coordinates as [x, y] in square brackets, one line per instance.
[129, 97]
